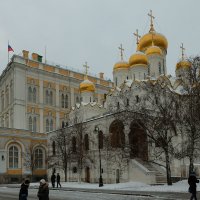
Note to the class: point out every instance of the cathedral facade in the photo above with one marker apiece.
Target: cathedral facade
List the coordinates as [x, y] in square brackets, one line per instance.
[101, 148]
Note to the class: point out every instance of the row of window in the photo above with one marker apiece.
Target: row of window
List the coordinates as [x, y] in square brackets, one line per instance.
[32, 124]
[7, 96]
[14, 158]
[49, 95]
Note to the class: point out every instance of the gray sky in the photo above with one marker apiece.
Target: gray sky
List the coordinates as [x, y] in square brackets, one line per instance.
[75, 31]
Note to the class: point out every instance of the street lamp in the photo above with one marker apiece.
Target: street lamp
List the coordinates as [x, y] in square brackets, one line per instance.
[100, 170]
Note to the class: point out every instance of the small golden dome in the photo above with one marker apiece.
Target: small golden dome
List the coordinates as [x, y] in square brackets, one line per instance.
[183, 64]
[138, 58]
[158, 39]
[87, 86]
[120, 65]
[153, 50]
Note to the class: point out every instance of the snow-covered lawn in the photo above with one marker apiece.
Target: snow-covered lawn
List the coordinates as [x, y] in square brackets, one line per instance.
[181, 186]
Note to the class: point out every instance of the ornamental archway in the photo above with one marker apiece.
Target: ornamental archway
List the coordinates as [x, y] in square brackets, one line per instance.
[138, 141]
[117, 134]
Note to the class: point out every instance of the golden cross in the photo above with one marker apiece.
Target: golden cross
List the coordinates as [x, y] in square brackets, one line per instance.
[182, 50]
[137, 36]
[152, 18]
[121, 51]
[86, 68]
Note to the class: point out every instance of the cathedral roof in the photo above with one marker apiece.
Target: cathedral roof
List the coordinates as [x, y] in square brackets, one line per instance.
[146, 41]
[183, 64]
[121, 65]
[138, 58]
[153, 50]
[87, 86]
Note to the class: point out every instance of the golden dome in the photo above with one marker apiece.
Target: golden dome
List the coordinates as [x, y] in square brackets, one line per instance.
[120, 65]
[158, 39]
[183, 64]
[87, 86]
[153, 50]
[138, 58]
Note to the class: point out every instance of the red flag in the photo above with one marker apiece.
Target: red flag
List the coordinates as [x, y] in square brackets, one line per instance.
[10, 48]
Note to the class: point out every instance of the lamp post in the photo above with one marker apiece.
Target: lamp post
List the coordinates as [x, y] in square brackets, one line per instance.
[100, 170]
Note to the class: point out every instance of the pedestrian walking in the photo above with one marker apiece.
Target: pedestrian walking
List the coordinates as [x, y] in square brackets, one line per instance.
[53, 180]
[23, 193]
[192, 180]
[58, 180]
[43, 191]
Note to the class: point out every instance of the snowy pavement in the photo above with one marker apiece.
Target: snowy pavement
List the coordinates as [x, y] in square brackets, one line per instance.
[121, 191]
[181, 186]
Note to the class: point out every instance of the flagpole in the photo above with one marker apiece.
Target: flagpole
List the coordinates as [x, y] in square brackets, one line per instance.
[45, 54]
[8, 51]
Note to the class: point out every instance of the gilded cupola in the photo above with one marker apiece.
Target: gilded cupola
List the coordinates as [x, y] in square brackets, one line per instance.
[121, 65]
[86, 85]
[153, 50]
[159, 40]
[138, 58]
[183, 63]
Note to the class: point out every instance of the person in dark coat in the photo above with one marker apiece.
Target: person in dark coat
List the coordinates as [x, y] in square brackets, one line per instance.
[53, 180]
[23, 193]
[192, 180]
[43, 191]
[58, 180]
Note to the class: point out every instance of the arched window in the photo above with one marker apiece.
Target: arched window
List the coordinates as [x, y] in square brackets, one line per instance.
[127, 102]
[47, 125]
[51, 98]
[54, 148]
[74, 170]
[66, 101]
[116, 81]
[47, 97]
[30, 94]
[137, 98]
[34, 95]
[118, 106]
[51, 125]
[13, 157]
[62, 101]
[86, 142]
[100, 139]
[38, 154]
[74, 144]
[34, 124]
[7, 96]
[77, 100]
[159, 65]
[30, 123]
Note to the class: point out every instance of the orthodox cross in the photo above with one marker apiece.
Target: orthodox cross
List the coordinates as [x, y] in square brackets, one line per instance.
[86, 68]
[152, 18]
[121, 51]
[137, 36]
[182, 50]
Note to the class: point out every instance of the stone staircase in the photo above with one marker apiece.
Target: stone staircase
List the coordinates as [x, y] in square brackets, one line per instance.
[159, 172]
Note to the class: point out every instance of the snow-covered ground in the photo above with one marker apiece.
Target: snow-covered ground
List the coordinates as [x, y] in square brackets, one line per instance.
[181, 186]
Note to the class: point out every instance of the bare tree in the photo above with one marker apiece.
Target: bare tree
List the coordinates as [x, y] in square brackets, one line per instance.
[191, 112]
[158, 118]
[63, 151]
[31, 161]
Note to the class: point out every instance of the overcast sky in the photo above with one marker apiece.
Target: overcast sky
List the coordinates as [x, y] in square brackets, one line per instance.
[75, 31]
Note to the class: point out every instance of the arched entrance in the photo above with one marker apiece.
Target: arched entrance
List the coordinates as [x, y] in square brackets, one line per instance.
[87, 175]
[138, 141]
[117, 134]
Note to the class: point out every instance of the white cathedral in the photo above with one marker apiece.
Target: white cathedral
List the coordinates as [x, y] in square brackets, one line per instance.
[147, 64]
